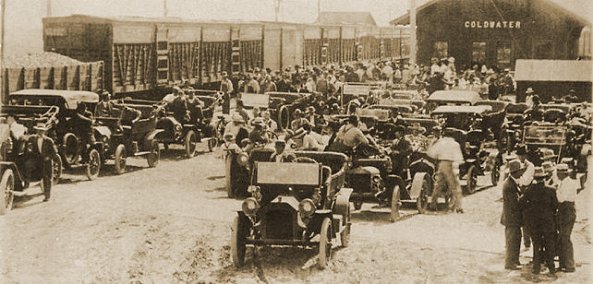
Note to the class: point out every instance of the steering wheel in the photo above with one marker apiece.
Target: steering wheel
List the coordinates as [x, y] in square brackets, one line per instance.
[272, 134]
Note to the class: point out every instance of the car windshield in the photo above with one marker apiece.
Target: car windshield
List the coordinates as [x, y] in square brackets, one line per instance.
[286, 173]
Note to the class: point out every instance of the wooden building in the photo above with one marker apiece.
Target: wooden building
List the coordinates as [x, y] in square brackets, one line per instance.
[495, 32]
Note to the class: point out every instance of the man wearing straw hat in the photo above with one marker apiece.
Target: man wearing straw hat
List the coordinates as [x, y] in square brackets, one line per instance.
[539, 203]
[511, 217]
[41, 148]
[566, 193]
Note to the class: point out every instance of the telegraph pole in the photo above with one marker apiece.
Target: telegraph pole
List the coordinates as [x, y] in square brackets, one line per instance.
[49, 12]
[277, 9]
[2, 41]
[165, 9]
[413, 32]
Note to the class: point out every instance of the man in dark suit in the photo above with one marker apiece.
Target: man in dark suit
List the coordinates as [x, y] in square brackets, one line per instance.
[539, 203]
[41, 151]
[511, 215]
[401, 148]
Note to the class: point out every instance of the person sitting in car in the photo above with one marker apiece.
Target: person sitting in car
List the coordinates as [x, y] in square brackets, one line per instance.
[236, 127]
[193, 103]
[271, 125]
[258, 135]
[105, 107]
[312, 141]
[279, 154]
[348, 137]
[298, 120]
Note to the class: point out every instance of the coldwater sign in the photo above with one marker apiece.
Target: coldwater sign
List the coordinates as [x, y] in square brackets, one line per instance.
[492, 24]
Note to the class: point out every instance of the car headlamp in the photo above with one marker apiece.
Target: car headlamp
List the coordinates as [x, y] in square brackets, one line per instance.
[243, 159]
[376, 179]
[306, 207]
[250, 206]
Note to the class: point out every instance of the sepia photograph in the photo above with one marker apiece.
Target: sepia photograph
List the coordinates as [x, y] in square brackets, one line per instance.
[296, 141]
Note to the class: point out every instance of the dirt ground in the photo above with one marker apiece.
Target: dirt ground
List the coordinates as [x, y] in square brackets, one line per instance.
[171, 224]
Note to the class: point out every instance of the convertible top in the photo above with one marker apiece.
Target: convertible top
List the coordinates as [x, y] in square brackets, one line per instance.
[455, 96]
[462, 109]
[72, 98]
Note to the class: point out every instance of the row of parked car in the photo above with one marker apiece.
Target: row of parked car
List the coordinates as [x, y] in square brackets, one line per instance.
[133, 128]
[312, 209]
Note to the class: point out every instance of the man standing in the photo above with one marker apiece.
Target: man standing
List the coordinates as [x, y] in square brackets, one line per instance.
[539, 203]
[401, 148]
[448, 154]
[226, 87]
[41, 151]
[566, 193]
[524, 181]
[511, 217]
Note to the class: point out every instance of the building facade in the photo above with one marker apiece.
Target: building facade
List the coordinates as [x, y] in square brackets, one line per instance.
[495, 32]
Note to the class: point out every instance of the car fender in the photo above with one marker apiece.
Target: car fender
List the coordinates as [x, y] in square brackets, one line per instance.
[416, 187]
[342, 203]
[151, 135]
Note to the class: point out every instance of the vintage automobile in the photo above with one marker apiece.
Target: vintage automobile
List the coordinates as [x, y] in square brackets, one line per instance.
[132, 133]
[67, 131]
[451, 97]
[466, 124]
[307, 210]
[189, 133]
[17, 168]
[545, 136]
[283, 104]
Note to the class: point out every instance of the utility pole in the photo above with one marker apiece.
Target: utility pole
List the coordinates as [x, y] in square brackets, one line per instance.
[277, 9]
[165, 9]
[413, 32]
[2, 41]
[49, 12]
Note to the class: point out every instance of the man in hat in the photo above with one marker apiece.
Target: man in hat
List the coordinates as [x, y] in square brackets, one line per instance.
[524, 181]
[41, 151]
[226, 87]
[251, 86]
[550, 179]
[447, 152]
[297, 120]
[566, 194]
[401, 148]
[258, 135]
[529, 96]
[105, 107]
[511, 217]
[279, 154]
[271, 125]
[417, 138]
[236, 128]
[539, 204]
[312, 141]
[349, 136]
[434, 136]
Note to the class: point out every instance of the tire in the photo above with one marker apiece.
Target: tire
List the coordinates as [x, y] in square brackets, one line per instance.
[471, 180]
[357, 204]
[93, 167]
[120, 159]
[227, 177]
[69, 150]
[325, 245]
[190, 144]
[394, 215]
[495, 174]
[238, 236]
[212, 143]
[7, 191]
[422, 200]
[155, 154]
[283, 118]
[345, 234]
[56, 170]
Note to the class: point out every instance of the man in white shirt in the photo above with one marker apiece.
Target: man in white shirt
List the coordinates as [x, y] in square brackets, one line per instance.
[566, 194]
[527, 176]
[17, 130]
[448, 154]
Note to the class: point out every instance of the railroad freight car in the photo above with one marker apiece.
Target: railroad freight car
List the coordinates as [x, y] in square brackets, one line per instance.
[142, 54]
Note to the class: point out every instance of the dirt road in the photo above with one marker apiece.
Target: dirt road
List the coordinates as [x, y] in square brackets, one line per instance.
[172, 224]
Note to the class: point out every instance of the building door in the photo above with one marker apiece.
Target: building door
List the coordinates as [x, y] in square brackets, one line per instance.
[478, 53]
[503, 54]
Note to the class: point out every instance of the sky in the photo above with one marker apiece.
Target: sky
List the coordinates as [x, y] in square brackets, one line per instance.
[24, 30]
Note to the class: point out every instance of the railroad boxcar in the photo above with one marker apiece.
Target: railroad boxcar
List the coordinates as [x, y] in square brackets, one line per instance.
[142, 54]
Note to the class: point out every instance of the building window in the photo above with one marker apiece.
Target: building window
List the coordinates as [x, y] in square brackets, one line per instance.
[503, 54]
[478, 52]
[543, 49]
[441, 49]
